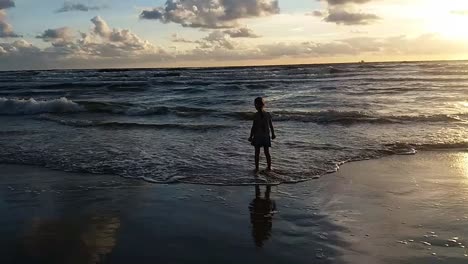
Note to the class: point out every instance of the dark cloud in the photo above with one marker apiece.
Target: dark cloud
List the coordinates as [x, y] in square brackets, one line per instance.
[69, 7]
[343, 17]
[242, 32]
[341, 12]
[4, 4]
[58, 34]
[209, 13]
[153, 14]
[316, 13]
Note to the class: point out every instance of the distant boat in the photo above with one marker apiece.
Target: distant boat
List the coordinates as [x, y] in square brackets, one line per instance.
[362, 62]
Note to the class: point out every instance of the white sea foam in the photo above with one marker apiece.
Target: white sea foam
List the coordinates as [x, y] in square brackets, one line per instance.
[32, 106]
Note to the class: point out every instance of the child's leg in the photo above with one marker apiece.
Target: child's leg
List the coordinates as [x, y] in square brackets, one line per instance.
[257, 157]
[268, 157]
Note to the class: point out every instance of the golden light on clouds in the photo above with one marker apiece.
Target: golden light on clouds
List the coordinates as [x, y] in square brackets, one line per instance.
[301, 31]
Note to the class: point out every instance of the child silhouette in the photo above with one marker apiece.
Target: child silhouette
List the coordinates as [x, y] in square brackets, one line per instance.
[260, 132]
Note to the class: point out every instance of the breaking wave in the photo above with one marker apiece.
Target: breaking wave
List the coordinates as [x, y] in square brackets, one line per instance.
[32, 106]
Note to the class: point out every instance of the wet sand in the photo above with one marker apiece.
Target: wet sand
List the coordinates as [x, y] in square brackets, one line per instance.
[399, 209]
[404, 209]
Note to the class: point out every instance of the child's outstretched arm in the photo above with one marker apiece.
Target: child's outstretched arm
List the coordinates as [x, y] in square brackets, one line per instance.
[273, 136]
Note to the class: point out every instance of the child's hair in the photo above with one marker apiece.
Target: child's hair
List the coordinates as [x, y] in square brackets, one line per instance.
[261, 103]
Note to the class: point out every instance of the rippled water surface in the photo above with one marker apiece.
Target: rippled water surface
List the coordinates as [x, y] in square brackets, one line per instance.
[192, 125]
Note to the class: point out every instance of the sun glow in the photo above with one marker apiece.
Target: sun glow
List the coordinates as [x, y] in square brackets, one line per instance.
[448, 18]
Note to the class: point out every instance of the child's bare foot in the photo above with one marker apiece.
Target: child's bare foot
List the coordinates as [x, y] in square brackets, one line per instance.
[268, 169]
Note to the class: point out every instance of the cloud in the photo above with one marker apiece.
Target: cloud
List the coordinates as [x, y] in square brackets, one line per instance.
[69, 7]
[4, 4]
[103, 42]
[63, 34]
[343, 17]
[341, 12]
[23, 55]
[242, 32]
[316, 13]
[210, 13]
[349, 47]
[177, 39]
[6, 30]
[105, 46]
[217, 40]
[102, 46]
[221, 39]
[121, 40]
[100, 27]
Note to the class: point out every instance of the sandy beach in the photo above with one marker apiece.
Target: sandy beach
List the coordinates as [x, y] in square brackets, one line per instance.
[399, 209]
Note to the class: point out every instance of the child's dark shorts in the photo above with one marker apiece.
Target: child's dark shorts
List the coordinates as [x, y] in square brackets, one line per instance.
[261, 142]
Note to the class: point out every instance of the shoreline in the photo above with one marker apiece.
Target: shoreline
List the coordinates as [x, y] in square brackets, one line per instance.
[339, 166]
[373, 211]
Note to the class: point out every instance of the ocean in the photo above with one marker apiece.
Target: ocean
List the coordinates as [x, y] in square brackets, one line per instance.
[191, 125]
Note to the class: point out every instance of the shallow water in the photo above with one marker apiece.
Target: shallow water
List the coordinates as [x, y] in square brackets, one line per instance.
[192, 125]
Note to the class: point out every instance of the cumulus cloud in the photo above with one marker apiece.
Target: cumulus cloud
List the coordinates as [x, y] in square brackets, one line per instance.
[63, 34]
[69, 7]
[102, 46]
[101, 27]
[210, 13]
[121, 40]
[242, 32]
[19, 47]
[6, 30]
[218, 39]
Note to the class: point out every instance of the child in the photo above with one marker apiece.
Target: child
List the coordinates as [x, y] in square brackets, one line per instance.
[260, 132]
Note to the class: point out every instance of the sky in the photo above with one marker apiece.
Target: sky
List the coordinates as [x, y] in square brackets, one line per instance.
[56, 34]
